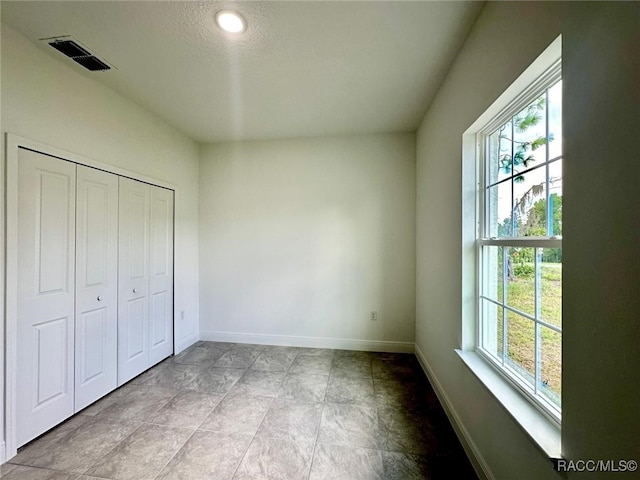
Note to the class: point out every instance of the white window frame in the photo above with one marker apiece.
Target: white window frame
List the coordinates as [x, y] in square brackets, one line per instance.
[541, 427]
[549, 78]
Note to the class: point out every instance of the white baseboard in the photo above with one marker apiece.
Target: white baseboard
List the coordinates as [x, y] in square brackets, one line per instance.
[312, 342]
[477, 460]
[185, 342]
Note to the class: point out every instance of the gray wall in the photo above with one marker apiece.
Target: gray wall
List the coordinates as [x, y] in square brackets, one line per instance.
[601, 302]
[301, 239]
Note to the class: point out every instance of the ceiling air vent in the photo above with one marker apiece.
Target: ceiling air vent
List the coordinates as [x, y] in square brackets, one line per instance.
[76, 52]
[92, 63]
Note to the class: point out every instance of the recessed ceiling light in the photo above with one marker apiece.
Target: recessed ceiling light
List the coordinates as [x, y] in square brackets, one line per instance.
[231, 22]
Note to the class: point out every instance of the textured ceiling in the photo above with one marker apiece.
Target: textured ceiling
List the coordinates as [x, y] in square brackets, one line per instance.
[302, 68]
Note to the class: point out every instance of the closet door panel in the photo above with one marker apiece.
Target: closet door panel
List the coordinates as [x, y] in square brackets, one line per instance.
[133, 301]
[46, 293]
[96, 285]
[161, 274]
[136, 326]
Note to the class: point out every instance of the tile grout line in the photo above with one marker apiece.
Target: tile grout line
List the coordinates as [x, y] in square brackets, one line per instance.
[135, 429]
[224, 396]
[194, 431]
[315, 442]
[286, 372]
[252, 440]
[11, 460]
[324, 397]
[45, 469]
[111, 450]
[378, 429]
[98, 415]
[142, 422]
[205, 416]
[263, 417]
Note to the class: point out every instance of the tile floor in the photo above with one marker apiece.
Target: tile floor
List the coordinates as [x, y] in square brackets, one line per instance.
[238, 412]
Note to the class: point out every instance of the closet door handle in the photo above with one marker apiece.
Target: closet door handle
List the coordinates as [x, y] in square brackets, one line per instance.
[99, 298]
[135, 290]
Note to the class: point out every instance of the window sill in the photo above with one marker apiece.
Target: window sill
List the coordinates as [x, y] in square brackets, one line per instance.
[544, 433]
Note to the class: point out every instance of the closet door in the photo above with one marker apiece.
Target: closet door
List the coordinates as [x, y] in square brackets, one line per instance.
[161, 275]
[96, 285]
[46, 296]
[133, 279]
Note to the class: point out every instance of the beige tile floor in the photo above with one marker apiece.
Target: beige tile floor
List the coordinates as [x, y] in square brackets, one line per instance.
[244, 412]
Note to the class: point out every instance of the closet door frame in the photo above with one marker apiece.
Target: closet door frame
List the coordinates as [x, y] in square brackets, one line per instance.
[12, 145]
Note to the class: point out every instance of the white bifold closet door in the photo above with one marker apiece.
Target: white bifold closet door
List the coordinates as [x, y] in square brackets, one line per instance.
[161, 275]
[96, 342]
[46, 293]
[145, 303]
[94, 286]
[133, 281]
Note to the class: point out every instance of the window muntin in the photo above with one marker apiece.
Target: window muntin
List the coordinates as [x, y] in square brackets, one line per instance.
[520, 247]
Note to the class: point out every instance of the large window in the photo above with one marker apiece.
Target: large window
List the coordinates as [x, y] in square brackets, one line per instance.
[520, 242]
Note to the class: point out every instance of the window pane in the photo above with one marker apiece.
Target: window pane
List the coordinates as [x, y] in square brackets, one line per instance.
[555, 198]
[521, 347]
[499, 203]
[521, 279]
[529, 203]
[530, 135]
[521, 286]
[499, 151]
[492, 331]
[493, 273]
[555, 120]
[551, 284]
[551, 365]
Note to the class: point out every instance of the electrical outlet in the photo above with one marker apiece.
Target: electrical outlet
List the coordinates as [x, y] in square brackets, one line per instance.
[373, 316]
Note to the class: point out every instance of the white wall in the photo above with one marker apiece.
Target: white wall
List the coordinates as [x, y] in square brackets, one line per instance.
[602, 230]
[46, 101]
[301, 239]
[601, 301]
